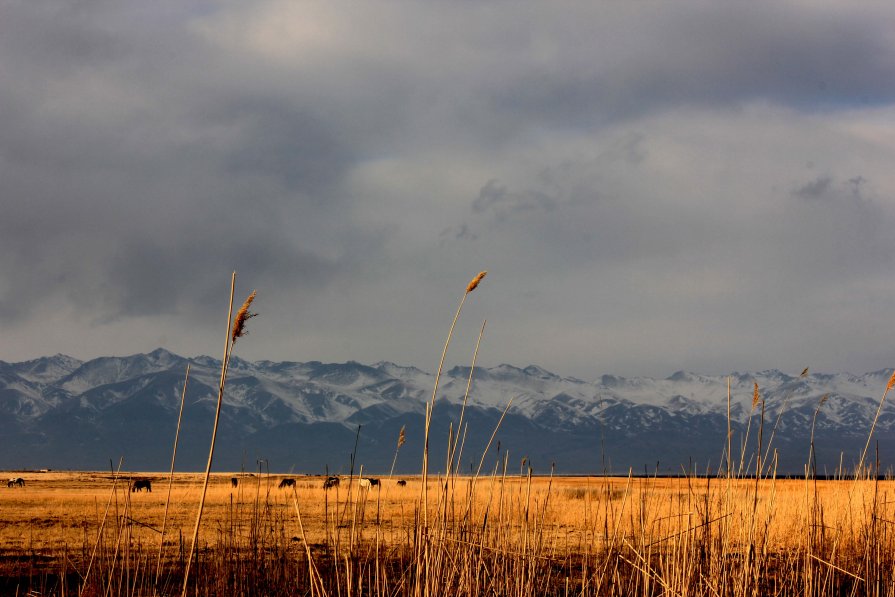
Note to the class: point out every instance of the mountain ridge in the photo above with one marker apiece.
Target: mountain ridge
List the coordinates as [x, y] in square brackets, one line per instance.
[62, 412]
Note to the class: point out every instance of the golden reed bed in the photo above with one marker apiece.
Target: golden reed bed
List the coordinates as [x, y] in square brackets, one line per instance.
[500, 534]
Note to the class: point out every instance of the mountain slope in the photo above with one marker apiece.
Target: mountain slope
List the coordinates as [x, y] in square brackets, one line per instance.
[304, 417]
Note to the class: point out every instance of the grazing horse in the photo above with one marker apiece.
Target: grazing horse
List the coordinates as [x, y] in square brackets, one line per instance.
[331, 482]
[234, 482]
[140, 485]
[367, 483]
[16, 482]
[402, 482]
[287, 483]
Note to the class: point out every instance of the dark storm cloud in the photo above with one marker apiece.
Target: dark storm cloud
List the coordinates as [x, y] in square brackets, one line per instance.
[711, 55]
[293, 146]
[496, 199]
[618, 167]
[817, 188]
[132, 183]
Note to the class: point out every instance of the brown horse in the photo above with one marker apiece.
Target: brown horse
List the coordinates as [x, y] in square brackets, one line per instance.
[141, 484]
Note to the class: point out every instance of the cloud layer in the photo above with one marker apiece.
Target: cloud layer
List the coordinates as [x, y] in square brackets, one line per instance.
[652, 187]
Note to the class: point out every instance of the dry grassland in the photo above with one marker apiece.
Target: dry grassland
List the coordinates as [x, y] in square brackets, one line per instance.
[585, 535]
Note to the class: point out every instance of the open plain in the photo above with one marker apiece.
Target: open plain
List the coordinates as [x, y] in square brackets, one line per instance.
[504, 533]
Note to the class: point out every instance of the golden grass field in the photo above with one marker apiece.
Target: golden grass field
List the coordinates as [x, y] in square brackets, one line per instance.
[595, 535]
[56, 509]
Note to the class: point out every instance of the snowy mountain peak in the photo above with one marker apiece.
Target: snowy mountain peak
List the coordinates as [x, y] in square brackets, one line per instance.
[535, 371]
[47, 369]
[398, 370]
[682, 376]
[679, 416]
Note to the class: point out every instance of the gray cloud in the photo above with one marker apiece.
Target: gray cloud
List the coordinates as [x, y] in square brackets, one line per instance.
[815, 189]
[497, 200]
[633, 177]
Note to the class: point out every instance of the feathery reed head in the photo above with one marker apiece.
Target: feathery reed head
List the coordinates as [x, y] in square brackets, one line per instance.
[756, 397]
[891, 381]
[473, 284]
[242, 316]
[804, 372]
[822, 400]
[401, 437]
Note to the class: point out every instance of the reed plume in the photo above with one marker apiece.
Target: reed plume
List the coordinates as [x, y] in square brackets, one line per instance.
[401, 439]
[473, 284]
[242, 316]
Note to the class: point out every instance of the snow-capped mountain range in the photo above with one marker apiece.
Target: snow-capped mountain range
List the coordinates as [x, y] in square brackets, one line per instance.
[304, 417]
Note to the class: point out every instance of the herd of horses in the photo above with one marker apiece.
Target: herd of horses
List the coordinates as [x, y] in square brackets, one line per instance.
[138, 484]
[333, 481]
[328, 483]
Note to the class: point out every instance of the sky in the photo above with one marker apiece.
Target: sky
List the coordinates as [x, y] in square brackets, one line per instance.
[651, 186]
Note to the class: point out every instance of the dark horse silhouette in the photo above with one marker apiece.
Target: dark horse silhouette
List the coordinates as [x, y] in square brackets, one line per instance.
[16, 482]
[402, 482]
[141, 484]
[331, 482]
[234, 482]
[287, 483]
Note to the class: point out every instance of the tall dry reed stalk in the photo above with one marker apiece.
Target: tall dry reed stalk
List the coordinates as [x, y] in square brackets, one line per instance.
[422, 542]
[161, 546]
[235, 330]
[780, 414]
[430, 406]
[873, 425]
[452, 452]
[102, 525]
